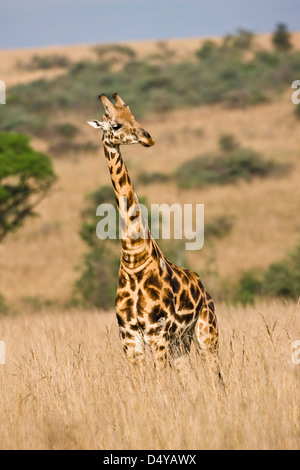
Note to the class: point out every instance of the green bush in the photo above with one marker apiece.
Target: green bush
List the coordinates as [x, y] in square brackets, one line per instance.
[243, 39]
[26, 176]
[66, 130]
[269, 58]
[222, 75]
[114, 49]
[47, 62]
[281, 38]
[3, 305]
[281, 279]
[228, 143]
[226, 166]
[297, 111]
[207, 50]
[151, 178]
[65, 148]
[219, 227]
[249, 287]
[97, 284]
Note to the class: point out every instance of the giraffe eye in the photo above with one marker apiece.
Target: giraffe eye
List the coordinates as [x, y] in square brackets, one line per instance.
[116, 127]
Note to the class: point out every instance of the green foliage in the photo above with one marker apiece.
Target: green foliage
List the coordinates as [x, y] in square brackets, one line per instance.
[103, 195]
[3, 305]
[47, 62]
[281, 279]
[218, 228]
[281, 38]
[269, 58]
[66, 130]
[297, 111]
[228, 143]
[248, 288]
[26, 176]
[243, 39]
[207, 50]
[226, 166]
[221, 75]
[98, 282]
[64, 147]
[152, 178]
[103, 51]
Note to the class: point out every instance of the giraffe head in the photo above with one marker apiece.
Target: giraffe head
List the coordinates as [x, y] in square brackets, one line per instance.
[119, 125]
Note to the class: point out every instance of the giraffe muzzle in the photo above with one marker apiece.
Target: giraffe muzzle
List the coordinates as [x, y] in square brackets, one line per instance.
[145, 139]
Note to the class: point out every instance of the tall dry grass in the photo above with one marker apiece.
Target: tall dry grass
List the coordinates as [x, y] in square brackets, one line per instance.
[67, 385]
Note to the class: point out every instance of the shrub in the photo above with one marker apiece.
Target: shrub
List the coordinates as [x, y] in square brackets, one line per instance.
[243, 39]
[281, 279]
[269, 58]
[228, 143]
[99, 267]
[67, 147]
[219, 227]
[66, 130]
[103, 50]
[151, 178]
[3, 305]
[281, 38]
[225, 167]
[207, 50]
[97, 284]
[248, 288]
[223, 75]
[47, 62]
[26, 177]
[297, 111]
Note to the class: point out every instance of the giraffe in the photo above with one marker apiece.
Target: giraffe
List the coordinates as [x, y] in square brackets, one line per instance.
[158, 304]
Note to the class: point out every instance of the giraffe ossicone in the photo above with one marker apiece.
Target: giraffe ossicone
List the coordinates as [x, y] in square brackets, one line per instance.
[157, 303]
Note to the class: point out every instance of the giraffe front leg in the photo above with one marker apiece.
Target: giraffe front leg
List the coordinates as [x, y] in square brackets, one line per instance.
[159, 347]
[133, 346]
[131, 339]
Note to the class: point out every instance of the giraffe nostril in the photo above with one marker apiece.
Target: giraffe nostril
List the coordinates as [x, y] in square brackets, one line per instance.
[146, 134]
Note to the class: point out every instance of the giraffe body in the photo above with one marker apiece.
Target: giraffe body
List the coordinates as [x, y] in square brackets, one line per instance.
[158, 304]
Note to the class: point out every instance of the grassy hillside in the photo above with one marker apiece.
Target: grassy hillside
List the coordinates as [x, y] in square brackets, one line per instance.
[38, 264]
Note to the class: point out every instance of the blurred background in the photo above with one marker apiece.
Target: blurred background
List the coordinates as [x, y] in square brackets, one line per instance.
[211, 81]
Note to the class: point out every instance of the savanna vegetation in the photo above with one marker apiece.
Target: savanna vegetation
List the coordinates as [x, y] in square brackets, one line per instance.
[227, 135]
[234, 72]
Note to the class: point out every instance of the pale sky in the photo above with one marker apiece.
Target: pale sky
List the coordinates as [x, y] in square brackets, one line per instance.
[33, 23]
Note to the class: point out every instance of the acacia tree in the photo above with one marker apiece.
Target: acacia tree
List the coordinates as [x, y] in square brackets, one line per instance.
[26, 177]
[282, 38]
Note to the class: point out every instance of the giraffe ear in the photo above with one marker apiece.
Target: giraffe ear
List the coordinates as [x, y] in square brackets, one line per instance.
[96, 124]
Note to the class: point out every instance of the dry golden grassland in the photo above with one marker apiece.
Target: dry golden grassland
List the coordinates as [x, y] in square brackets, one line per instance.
[67, 385]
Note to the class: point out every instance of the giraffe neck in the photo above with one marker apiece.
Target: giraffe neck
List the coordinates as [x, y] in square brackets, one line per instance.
[136, 238]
